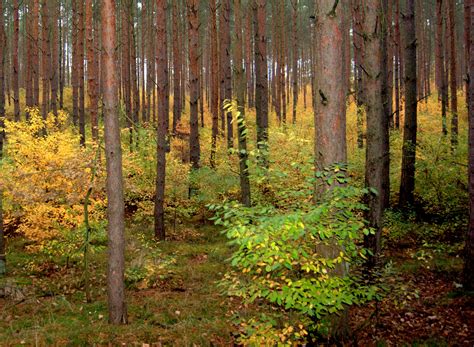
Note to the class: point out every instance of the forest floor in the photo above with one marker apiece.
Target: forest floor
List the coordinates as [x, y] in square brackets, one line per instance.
[181, 304]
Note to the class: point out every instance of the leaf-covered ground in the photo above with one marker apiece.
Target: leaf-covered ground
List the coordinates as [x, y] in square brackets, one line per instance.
[182, 305]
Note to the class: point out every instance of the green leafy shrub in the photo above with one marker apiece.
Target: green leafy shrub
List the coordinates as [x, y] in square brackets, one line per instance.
[287, 262]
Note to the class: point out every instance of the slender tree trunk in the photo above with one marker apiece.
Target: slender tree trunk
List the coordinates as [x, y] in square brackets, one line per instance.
[75, 63]
[35, 52]
[240, 93]
[113, 152]
[294, 3]
[92, 72]
[176, 68]
[377, 120]
[407, 181]
[3, 258]
[397, 40]
[261, 79]
[358, 71]
[163, 113]
[453, 74]
[54, 78]
[383, 33]
[45, 58]
[468, 278]
[467, 48]
[226, 72]
[214, 75]
[193, 22]
[15, 72]
[440, 65]
[80, 76]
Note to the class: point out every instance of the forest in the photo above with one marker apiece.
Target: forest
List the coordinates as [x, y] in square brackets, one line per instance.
[236, 172]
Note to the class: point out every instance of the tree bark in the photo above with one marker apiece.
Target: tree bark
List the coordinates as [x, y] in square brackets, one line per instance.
[214, 81]
[3, 258]
[377, 120]
[240, 93]
[330, 117]
[15, 72]
[226, 72]
[407, 181]
[113, 152]
[261, 79]
[193, 22]
[92, 78]
[294, 4]
[163, 114]
[468, 272]
[176, 68]
[440, 69]
[453, 74]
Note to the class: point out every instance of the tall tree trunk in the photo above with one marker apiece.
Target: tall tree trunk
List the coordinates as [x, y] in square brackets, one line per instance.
[453, 73]
[75, 63]
[92, 77]
[15, 72]
[45, 58]
[80, 76]
[468, 278]
[3, 258]
[193, 22]
[261, 80]
[214, 81]
[176, 68]
[407, 181]
[163, 114]
[35, 52]
[240, 92]
[386, 91]
[54, 77]
[377, 120]
[330, 115]
[113, 153]
[397, 41]
[358, 42]
[294, 4]
[440, 69]
[226, 72]
[467, 48]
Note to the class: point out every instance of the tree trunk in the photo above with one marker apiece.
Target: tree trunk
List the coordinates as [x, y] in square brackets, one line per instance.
[54, 77]
[440, 65]
[163, 113]
[407, 181]
[294, 3]
[468, 278]
[92, 72]
[261, 79]
[377, 120]
[45, 58]
[397, 40]
[3, 259]
[214, 81]
[226, 72]
[240, 92]
[193, 22]
[15, 72]
[453, 74]
[330, 116]
[176, 68]
[113, 152]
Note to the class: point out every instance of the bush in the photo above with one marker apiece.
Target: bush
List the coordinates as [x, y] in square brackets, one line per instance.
[287, 262]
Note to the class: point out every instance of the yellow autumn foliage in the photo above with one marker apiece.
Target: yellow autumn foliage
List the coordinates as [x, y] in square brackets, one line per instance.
[45, 175]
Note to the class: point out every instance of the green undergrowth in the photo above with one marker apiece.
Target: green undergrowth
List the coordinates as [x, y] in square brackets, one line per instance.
[177, 303]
